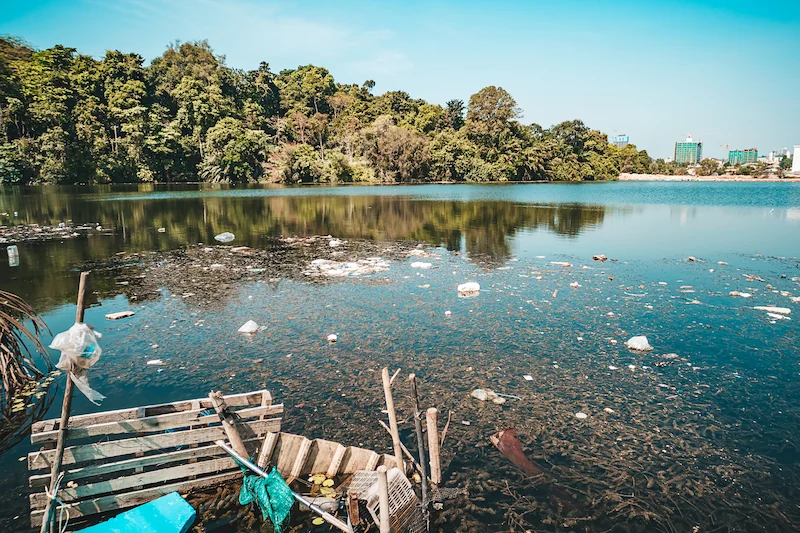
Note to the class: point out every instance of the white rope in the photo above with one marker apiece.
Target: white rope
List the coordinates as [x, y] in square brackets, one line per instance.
[63, 507]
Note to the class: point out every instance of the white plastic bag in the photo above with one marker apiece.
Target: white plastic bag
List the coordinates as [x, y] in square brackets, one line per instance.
[79, 352]
[226, 236]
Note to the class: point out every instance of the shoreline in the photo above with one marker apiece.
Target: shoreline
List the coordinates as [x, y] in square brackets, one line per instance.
[725, 177]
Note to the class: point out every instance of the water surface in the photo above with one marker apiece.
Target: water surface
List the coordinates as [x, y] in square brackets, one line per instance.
[709, 440]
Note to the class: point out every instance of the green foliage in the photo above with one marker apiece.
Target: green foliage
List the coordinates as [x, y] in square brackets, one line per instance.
[707, 167]
[69, 118]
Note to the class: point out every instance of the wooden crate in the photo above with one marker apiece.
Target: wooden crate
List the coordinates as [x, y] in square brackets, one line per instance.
[124, 458]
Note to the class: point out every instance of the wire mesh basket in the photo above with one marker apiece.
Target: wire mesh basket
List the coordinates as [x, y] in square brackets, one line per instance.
[405, 514]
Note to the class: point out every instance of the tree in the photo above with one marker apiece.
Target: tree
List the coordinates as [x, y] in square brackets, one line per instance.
[234, 153]
[707, 167]
[454, 114]
[490, 111]
[396, 153]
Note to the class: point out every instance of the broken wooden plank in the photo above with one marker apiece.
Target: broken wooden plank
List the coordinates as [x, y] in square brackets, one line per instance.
[300, 459]
[122, 501]
[100, 469]
[267, 448]
[235, 400]
[122, 484]
[155, 423]
[119, 314]
[336, 460]
[106, 450]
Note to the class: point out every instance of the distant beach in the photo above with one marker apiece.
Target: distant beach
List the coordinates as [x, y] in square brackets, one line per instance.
[687, 177]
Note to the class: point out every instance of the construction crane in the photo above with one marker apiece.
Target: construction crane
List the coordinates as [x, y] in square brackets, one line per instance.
[727, 152]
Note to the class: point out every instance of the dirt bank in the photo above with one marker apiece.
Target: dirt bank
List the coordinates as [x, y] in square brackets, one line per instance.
[725, 177]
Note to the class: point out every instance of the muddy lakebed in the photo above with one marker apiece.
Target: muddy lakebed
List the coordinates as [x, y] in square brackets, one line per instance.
[701, 433]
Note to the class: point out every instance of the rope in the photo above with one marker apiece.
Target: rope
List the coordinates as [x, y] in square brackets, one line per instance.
[63, 507]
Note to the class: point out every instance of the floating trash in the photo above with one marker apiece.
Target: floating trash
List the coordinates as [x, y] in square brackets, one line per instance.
[224, 237]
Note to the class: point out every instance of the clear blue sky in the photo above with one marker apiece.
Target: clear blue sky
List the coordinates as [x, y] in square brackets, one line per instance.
[724, 71]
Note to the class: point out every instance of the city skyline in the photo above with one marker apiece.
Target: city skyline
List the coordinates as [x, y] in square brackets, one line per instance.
[615, 69]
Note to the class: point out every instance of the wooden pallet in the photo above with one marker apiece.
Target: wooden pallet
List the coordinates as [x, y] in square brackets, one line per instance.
[124, 458]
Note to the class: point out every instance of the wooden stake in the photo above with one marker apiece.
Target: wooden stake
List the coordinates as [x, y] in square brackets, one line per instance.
[227, 423]
[412, 378]
[383, 495]
[387, 391]
[47, 522]
[433, 445]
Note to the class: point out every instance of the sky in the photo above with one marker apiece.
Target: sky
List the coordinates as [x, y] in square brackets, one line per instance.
[726, 72]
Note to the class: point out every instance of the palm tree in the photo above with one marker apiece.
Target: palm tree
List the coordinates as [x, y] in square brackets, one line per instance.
[22, 384]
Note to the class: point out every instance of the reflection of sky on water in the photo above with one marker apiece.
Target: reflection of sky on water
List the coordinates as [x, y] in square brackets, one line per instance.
[519, 325]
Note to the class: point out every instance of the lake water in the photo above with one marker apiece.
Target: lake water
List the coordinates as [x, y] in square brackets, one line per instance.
[708, 438]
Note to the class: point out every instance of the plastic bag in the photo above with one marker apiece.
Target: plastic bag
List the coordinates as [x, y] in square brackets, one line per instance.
[79, 352]
[225, 237]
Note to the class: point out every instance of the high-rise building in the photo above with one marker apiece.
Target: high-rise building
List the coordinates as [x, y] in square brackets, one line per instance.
[742, 157]
[689, 152]
[620, 141]
[796, 160]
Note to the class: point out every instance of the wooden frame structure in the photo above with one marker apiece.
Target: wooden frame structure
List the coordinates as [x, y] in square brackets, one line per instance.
[119, 459]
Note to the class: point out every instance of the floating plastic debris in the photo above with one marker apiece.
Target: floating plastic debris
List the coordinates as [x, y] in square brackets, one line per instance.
[226, 236]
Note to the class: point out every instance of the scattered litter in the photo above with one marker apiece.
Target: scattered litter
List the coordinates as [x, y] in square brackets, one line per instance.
[420, 264]
[612, 367]
[740, 294]
[333, 337]
[249, 327]
[580, 415]
[336, 269]
[693, 259]
[155, 362]
[574, 285]
[333, 243]
[465, 422]
[778, 317]
[162, 230]
[469, 289]
[773, 309]
[121, 314]
[600, 257]
[528, 377]
[638, 344]
[447, 313]
[488, 395]
[609, 410]
[224, 237]
[561, 264]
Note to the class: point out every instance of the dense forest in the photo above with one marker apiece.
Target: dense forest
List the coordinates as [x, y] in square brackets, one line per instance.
[69, 118]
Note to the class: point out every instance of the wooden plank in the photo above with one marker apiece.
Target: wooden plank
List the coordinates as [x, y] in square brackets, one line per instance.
[336, 460]
[95, 470]
[300, 460]
[285, 452]
[234, 400]
[122, 501]
[320, 456]
[358, 459]
[151, 424]
[120, 485]
[106, 450]
[267, 448]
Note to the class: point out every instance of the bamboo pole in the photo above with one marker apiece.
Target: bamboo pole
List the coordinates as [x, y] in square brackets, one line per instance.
[412, 378]
[329, 518]
[227, 423]
[387, 392]
[433, 445]
[383, 495]
[47, 522]
[405, 450]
